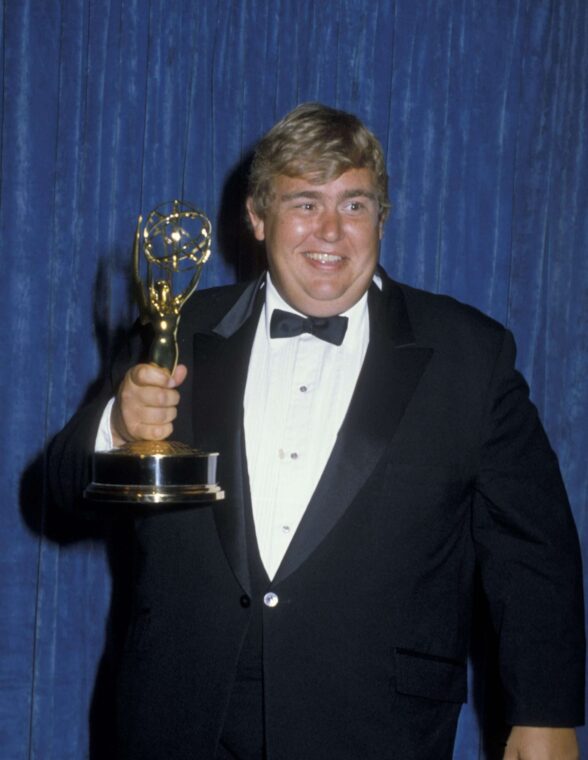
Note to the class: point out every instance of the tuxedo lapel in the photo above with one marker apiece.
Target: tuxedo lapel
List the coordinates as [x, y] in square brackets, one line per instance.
[221, 360]
[391, 370]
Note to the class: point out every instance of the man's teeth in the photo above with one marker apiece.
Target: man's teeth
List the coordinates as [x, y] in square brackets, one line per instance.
[323, 258]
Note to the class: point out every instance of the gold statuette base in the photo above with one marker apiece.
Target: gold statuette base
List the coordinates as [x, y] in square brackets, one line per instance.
[150, 476]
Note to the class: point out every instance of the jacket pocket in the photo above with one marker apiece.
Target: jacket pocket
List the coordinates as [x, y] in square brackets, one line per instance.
[430, 676]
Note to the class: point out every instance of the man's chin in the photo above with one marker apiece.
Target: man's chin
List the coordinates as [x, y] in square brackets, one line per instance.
[329, 303]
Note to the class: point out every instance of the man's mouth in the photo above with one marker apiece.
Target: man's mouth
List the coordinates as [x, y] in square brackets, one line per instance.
[323, 258]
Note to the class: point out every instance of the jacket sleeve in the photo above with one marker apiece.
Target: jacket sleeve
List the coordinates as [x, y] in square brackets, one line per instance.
[69, 457]
[529, 558]
[69, 454]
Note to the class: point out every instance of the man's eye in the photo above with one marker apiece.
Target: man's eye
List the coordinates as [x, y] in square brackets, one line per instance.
[355, 205]
[307, 206]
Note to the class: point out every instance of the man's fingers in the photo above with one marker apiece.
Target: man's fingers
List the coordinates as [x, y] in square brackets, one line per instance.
[141, 423]
[145, 432]
[146, 403]
[149, 375]
[137, 396]
[157, 415]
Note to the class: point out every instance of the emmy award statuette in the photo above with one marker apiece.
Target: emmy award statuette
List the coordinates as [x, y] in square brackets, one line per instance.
[150, 476]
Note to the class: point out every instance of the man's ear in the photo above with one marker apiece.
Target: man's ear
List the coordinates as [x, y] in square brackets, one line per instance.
[382, 222]
[257, 223]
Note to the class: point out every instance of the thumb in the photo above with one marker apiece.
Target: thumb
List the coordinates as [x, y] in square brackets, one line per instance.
[178, 377]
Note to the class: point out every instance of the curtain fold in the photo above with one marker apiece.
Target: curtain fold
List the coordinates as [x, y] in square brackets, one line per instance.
[110, 107]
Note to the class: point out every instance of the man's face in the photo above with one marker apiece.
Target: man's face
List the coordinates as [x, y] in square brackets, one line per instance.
[321, 241]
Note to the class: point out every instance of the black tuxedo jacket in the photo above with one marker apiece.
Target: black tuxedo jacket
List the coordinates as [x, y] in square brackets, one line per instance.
[441, 469]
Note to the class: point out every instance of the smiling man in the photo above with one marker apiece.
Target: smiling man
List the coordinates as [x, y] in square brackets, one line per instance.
[379, 450]
[322, 240]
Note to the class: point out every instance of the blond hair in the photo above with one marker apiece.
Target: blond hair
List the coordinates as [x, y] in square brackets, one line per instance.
[319, 143]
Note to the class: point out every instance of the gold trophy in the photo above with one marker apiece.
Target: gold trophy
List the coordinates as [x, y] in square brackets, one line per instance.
[156, 475]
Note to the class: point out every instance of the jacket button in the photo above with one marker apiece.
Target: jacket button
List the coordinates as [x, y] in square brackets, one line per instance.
[245, 601]
[270, 599]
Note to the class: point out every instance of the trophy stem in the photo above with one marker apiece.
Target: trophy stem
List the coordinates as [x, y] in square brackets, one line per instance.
[164, 348]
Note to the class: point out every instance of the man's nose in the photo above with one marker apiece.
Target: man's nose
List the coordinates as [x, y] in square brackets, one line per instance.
[329, 225]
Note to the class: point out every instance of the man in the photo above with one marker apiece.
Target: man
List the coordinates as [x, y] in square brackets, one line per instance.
[373, 463]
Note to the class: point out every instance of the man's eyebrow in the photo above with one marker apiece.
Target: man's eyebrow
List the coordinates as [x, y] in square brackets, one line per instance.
[359, 193]
[315, 194]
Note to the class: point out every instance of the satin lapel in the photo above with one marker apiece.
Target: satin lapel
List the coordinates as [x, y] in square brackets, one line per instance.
[392, 368]
[220, 374]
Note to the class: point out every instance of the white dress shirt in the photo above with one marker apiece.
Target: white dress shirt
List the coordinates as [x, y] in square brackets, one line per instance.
[104, 440]
[297, 394]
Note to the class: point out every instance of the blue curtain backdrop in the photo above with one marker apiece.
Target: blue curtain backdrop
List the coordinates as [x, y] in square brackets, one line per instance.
[110, 107]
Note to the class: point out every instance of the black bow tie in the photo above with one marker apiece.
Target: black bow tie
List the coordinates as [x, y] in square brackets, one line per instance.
[285, 324]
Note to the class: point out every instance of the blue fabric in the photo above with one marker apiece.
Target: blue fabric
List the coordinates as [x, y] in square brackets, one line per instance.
[110, 107]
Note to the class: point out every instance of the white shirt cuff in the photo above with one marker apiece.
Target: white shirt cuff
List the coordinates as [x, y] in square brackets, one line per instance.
[104, 436]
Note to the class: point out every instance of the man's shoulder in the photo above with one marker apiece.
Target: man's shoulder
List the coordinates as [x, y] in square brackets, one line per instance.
[208, 306]
[436, 316]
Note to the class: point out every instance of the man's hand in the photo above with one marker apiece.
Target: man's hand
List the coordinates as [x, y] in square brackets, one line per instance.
[146, 404]
[528, 743]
